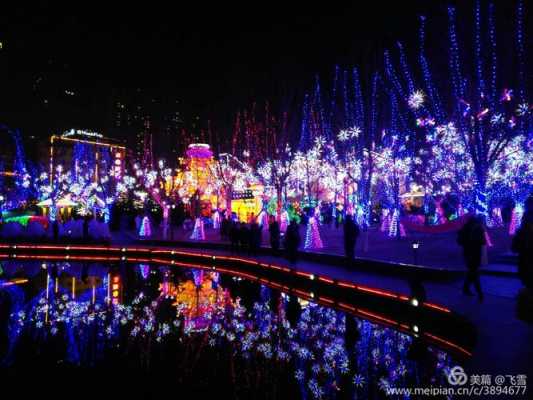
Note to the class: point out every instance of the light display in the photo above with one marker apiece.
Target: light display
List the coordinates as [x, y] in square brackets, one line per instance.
[198, 232]
[313, 241]
[232, 178]
[145, 229]
[216, 220]
[357, 150]
[480, 144]
[416, 99]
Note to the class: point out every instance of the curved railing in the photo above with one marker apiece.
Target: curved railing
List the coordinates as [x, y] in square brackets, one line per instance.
[433, 323]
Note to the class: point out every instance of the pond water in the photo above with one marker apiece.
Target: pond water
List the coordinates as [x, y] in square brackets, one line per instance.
[164, 329]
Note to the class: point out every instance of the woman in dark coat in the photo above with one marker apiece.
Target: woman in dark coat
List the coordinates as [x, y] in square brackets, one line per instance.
[523, 245]
[292, 241]
[273, 229]
[351, 232]
[472, 238]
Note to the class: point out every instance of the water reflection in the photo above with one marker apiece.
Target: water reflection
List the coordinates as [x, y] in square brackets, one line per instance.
[184, 321]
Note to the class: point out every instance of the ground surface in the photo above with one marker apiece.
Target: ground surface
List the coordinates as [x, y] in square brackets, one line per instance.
[435, 250]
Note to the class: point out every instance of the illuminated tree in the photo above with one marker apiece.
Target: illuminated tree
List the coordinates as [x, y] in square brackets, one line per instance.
[476, 134]
[229, 174]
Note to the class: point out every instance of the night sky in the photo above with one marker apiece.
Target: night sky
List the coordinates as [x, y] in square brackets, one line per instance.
[215, 59]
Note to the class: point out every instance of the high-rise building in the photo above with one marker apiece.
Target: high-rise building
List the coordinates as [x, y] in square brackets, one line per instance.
[147, 122]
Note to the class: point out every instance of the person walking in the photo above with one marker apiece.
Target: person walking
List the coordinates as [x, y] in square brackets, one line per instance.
[292, 241]
[255, 238]
[234, 236]
[244, 236]
[523, 245]
[351, 232]
[55, 230]
[273, 229]
[224, 227]
[86, 228]
[471, 237]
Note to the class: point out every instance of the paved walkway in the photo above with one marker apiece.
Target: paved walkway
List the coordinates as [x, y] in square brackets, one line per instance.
[435, 250]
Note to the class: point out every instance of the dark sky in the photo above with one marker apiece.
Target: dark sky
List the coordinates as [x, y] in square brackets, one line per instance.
[213, 58]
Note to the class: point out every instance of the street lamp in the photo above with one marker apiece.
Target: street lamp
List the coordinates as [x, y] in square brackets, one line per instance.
[416, 245]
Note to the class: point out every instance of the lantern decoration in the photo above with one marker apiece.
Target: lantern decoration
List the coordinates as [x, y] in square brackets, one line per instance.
[116, 289]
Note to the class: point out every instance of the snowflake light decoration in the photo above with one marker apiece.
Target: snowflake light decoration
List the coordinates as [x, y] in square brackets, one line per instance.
[320, 141]
[497, 119]
[522, 109]
[343, 135]
[354, 132]
[416, 99]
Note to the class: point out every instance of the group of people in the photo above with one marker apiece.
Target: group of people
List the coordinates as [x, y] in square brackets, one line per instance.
[76, 227]
[242, 236]
[248, 236]
[472, 237]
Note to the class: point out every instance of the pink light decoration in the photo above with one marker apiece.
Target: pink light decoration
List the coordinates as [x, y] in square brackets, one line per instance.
[402, 229]
[198, 232]
[198, 275]
[216, 220]
[487, 239]
[393, 226]
[425, 121]
[396, 226]
[199, 150]
[482, 114]
[145, 229]
[284, 221]
[495, 219]
[467, 107]
[145, 270]
[312, 236]
[385, 220]
[516, 216]
[507, 95]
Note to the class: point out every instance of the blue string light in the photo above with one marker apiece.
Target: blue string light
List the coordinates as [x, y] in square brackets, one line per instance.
[359, 104]
[430, 88]
[391, 74]
[405, 69]
[348, 114]
[520, 50]
[478, 57]
[305, 134]
[493, 59]
[455, 66]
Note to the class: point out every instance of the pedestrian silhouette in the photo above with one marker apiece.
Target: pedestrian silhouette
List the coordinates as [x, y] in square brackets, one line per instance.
[523, 245]
[471, 237]
[273, 229]
[234, 236]
[351, 232]
[254, 238]
[292, 241]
